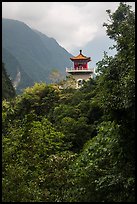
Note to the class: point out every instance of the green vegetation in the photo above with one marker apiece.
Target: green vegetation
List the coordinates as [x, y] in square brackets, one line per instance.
[13, 67]
[67, 145]
[8, 90]
[31, 53]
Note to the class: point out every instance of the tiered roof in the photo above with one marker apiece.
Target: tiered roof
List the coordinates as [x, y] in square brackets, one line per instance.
[80, 57]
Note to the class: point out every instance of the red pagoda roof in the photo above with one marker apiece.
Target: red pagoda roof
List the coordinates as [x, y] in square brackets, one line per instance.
[80, 57]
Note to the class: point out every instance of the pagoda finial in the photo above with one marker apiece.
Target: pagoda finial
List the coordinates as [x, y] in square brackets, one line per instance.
[80, 52]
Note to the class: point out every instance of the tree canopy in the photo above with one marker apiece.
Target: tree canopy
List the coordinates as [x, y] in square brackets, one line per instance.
[68, 145]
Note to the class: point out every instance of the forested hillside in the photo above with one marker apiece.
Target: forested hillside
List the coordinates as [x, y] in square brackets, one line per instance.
[68, 145]
[35, 55]
[8, 90]
[13, 67]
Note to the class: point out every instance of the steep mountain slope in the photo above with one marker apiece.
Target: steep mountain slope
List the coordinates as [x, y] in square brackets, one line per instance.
[8, 90]
[37, 54]
[61, 54]
[13, 68]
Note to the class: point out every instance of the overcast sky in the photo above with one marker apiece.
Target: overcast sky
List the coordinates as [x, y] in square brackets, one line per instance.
[74, 25]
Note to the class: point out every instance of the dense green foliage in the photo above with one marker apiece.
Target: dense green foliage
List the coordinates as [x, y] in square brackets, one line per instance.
[66, 145]
[8, 90]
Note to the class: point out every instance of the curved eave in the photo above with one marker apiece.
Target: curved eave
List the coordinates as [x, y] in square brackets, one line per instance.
[77, 59]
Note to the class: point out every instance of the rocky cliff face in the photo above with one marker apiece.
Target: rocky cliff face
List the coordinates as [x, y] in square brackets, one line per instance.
[31, 53]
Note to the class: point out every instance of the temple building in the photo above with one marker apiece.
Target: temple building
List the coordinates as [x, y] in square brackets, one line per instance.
[80, 70]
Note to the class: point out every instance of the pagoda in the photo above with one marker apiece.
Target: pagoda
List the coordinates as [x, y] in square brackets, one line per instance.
[80, 70]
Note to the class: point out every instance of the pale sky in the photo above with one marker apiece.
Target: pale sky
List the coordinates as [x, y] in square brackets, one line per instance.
[73, 24]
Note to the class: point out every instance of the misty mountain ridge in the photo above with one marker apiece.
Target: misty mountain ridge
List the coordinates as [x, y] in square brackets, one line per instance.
[31, 53]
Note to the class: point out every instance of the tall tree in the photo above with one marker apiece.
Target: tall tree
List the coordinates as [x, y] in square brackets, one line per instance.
[116, 87]
[105, 169]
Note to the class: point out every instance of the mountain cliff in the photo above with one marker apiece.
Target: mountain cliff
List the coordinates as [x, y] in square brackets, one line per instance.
[32, 53]
[8, 90]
